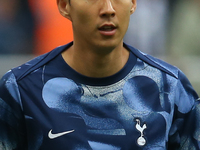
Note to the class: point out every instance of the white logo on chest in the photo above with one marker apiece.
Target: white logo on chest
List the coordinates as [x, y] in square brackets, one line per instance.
[141, 140]
[53, 136]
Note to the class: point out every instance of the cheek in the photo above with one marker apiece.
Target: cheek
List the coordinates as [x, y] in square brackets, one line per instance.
[124, 18]
[84, 19]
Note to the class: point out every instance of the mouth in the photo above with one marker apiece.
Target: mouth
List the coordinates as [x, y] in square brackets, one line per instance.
[107, 29]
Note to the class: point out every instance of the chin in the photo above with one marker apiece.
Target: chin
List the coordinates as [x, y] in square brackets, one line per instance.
[105, 49]
[109, 44]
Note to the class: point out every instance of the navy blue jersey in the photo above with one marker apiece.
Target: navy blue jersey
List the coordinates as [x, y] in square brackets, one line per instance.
[148, 105]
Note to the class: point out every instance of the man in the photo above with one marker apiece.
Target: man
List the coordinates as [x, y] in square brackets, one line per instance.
[98, 93]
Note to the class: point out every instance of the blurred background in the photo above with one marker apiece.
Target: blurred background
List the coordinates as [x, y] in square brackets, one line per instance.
[167, 29]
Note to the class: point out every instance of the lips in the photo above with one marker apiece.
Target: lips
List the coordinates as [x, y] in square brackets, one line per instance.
[107, 29]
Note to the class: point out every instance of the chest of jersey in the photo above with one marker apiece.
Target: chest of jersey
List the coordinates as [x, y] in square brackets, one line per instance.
[120, 116]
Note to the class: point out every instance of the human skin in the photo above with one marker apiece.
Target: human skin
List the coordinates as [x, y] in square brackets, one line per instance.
[98, 27]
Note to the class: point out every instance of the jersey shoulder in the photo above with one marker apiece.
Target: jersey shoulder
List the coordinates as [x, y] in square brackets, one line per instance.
[26, 68]
[155, 62]
[166, 68]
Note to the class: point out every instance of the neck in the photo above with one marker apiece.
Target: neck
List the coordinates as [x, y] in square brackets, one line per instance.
[98, 63]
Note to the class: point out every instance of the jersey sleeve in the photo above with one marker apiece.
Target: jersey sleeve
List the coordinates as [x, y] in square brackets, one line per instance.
[185, 130]
[12, 128]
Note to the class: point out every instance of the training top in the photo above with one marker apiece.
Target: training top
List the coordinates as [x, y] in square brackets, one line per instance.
[147, 105]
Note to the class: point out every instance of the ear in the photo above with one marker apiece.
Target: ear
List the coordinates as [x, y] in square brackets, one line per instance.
[134, 6]
[64, 8]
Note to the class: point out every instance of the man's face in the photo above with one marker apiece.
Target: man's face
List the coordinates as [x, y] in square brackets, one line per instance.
[100, 23]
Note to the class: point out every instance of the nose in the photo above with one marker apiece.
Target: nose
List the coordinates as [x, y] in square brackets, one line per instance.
[107, 9]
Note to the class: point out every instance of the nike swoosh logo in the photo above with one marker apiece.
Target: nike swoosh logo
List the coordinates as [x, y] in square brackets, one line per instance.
[53, 136]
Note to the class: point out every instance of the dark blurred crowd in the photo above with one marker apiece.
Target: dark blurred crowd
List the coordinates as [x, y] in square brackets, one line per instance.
[32, 27]
[157, 27]
[16, 27]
